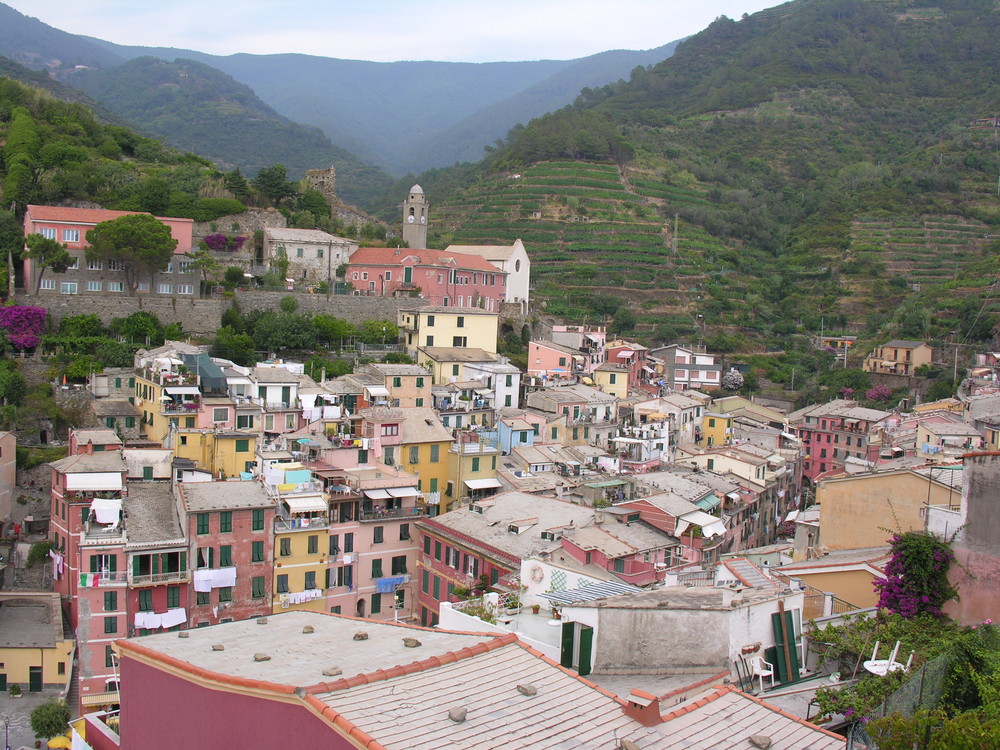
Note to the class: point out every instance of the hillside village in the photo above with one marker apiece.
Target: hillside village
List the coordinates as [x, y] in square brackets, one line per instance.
[623, 541]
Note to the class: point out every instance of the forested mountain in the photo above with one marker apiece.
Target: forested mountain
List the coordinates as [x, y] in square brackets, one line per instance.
[197, 108]
[821, 160]
[400, 116]
[413, 115]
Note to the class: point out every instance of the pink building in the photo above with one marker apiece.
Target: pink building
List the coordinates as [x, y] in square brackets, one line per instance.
[230, 545]
[444, 278]
[557, 361]
[88, 538]
[635, 357]
[70, 226]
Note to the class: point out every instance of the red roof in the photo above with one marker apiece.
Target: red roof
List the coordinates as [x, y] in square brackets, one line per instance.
[392, 256]
[82, 215]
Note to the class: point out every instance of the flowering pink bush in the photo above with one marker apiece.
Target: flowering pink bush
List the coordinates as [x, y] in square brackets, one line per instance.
[220, 242]
[24, 325]
[879, 393]
[916, 578]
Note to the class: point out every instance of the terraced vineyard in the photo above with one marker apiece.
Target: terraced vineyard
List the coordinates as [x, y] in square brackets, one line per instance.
[588, 229]
[927, 250]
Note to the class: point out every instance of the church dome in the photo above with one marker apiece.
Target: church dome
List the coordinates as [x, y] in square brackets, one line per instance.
[417, 190]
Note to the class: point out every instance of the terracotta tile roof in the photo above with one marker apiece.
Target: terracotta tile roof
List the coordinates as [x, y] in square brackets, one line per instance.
[407, 705]
[83, 215]
[391, 256]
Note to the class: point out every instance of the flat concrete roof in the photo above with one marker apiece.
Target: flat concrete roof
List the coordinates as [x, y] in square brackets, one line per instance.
[299, 658]
[204, 496]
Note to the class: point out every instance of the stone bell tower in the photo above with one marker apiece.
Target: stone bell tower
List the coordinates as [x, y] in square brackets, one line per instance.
[415, 218]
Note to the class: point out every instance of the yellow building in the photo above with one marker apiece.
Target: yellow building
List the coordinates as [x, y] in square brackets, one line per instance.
[849, 575]
[473, 472]
[224, 454]
[33, 653]
[716, 429]
[447, 365]
[424, 452]
[301, 539]
[612, 378]
[456, 327]
[864, 510]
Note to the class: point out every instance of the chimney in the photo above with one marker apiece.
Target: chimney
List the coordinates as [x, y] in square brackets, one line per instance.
[643, 707]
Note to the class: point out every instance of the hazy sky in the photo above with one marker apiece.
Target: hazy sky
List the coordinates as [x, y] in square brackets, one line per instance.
[388, 30]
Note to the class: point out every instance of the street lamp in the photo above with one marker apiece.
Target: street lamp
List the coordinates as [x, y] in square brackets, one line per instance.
[6, 731]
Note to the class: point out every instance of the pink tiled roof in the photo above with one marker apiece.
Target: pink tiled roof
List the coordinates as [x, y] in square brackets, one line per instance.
[82, 215]
[391, 256]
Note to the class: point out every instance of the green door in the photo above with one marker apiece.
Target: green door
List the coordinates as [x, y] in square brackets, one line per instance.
[566, 653]
[407, 275]
[586, 647]
[35, 679]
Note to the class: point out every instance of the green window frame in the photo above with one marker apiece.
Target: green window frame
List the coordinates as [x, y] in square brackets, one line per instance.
[225, 555]
[110, 601]
[242, 446]
[202, 519]
[110, 625]
[419, 402]
[282, 583]
[420, 382]
[258, 587]
[225, 594]
[376, 567]
[378, 535]
[226, 521]
[376, 603]
[173, 597]
[109, 657]
[475, 464]
[414, 454]
[258, 519]
[257, 552]
[435, 454]
[312, 544]
[285, 546]
[145, 600]
[203, 597]
[397, 382]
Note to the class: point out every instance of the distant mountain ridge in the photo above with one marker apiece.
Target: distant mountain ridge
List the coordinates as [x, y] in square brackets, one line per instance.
[410, 116]
[402, 116]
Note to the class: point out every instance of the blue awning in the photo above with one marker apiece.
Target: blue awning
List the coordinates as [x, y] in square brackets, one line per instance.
[388, 585]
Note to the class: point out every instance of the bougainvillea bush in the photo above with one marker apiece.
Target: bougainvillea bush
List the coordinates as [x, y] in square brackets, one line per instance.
[24, 325]
[220, 242]
[916, 578]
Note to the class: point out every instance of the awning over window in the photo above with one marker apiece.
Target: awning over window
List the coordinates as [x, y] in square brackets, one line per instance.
[377, 390]
[96, 481]
[305, 503]
[377, 494]
[482, 484]
[625, 353]
[403, 492]
[100, 699]
[709, 502]
[183, 390]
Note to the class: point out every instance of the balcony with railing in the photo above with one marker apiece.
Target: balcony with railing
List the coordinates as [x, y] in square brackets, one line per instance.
[156, 579]
[98, 533]
[392, 514]
[167, 377]
[180, 407]
[296, 522]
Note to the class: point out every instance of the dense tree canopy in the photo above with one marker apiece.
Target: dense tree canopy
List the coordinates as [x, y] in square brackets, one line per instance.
[141, 243]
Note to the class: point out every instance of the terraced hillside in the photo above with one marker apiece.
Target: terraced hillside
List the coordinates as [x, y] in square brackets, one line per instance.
[575, 216]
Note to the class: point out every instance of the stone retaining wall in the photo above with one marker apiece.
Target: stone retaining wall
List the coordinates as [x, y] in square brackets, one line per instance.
[204, 316]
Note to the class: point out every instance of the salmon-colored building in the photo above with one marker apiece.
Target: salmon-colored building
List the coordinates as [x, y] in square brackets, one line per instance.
[69, 226]
[445, 278]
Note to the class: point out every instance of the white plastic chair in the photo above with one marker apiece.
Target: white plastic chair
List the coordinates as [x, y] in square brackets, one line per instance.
[762, 669]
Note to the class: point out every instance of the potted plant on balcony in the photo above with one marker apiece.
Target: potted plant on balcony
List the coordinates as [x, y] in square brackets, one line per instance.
[535, 608]
[513, 604]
